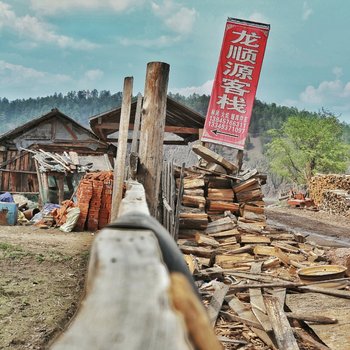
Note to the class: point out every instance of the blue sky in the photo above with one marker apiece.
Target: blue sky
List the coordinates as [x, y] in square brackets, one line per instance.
[58, 46]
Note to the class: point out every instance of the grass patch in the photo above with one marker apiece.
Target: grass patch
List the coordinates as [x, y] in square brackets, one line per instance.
[11, 251]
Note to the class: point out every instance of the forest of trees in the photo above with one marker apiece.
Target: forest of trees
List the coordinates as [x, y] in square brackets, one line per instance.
[83, 104]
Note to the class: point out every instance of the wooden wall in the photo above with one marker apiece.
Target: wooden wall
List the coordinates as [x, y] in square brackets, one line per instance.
[17, 172]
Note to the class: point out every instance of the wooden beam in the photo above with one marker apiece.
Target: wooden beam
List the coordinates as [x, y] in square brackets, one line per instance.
[152, 131]
[165, 142]
[168, 128]
[119, 166]
[18, 171]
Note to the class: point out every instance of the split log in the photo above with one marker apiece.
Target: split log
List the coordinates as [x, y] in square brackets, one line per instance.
[197, 251]
[242, 186]
[211, 156]
[221, 206]
[205, 241]
[220, 225]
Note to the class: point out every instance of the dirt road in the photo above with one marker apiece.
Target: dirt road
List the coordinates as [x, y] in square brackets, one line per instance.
[320, 227]
[42, 273]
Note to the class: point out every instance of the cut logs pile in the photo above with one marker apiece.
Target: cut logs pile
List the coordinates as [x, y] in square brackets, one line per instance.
[248, 274]
[207, 195]
[331, 193]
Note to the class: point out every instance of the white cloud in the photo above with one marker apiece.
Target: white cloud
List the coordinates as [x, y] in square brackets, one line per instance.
[178, 18]
[93, 74]
[51, 7]
[338, 72]
[333, 95]
[17, 75]
[37, 30]
[162, 41]
[204, 89]
[307, 11]
[325, 92]
[258, 17]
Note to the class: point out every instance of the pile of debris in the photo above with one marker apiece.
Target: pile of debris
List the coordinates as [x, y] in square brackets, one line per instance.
[94, 197]
[67, 162]
[261, 285]
[251, 278]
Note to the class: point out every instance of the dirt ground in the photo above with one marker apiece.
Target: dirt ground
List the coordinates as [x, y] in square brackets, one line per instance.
[42, 274]
[320, 227]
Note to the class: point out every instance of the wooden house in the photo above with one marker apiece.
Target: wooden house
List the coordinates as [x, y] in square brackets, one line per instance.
[53, 132]
[180, 120]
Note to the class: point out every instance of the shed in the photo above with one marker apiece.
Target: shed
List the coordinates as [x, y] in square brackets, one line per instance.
[53, 132]
[180, 120]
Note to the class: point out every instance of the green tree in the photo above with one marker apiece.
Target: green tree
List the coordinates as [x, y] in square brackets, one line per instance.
[307, 144]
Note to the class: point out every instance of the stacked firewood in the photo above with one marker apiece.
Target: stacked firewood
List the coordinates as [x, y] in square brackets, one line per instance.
[336, 202]
[208, 196]
[320, 183]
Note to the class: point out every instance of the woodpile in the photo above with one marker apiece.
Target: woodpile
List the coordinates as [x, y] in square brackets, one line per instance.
[249, 274]
[320, 183]
[207, 196]
[336, 202]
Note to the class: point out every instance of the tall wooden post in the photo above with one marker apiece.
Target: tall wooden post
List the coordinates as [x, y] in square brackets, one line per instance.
[119, 165]
[152, 131]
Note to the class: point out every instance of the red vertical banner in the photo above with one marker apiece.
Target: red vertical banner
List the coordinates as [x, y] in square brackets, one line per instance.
[236, 80]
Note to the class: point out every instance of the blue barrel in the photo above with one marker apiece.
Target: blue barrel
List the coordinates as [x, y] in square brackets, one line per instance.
[8, 213]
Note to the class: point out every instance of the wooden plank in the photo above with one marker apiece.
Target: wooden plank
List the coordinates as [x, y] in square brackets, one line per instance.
[119, 166]
[250, 239]
[216, 301]
[152, 132]
[283, 332]
[257, 302]
[242, 311]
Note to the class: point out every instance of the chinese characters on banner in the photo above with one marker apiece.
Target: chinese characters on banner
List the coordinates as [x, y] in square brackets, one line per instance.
[235, 83]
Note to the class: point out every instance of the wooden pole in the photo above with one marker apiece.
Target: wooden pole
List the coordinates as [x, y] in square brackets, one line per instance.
[152, 131]
[137, 122]
[119, 165]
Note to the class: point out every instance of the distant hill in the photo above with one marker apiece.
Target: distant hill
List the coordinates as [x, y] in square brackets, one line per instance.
[81, 105]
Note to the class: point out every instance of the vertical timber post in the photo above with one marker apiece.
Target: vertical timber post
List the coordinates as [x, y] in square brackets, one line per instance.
[119, 166]
[239, 160]
[152, 131]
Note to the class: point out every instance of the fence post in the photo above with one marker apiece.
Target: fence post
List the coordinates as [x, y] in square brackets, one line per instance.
[119, 166]
[152, 131]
